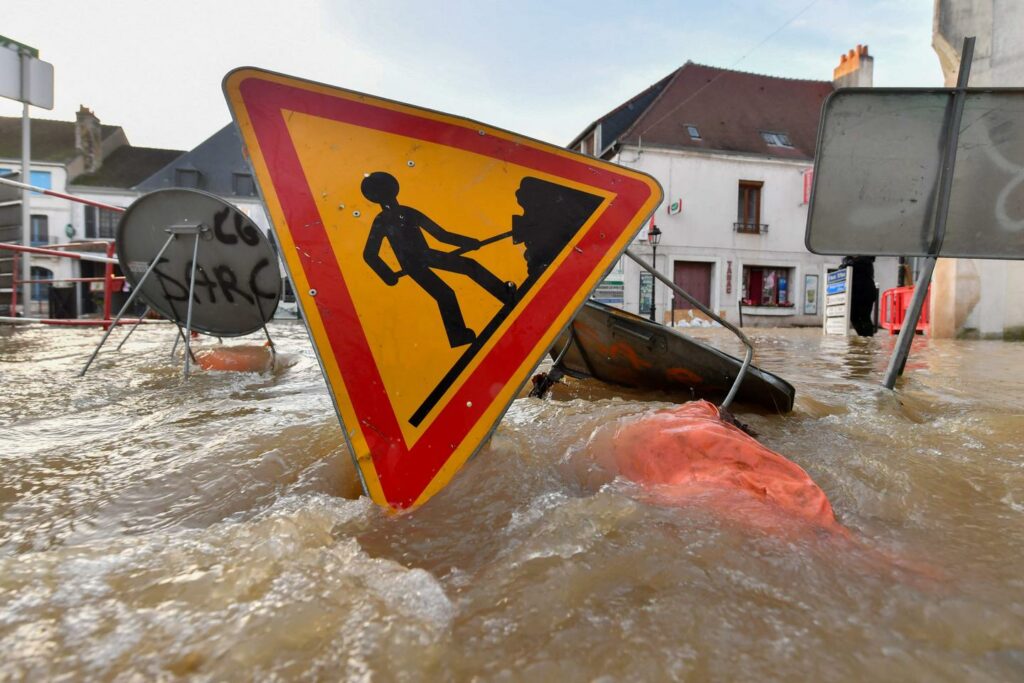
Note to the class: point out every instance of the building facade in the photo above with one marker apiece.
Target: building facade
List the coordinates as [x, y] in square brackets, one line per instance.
[734, 153]
[83, 157]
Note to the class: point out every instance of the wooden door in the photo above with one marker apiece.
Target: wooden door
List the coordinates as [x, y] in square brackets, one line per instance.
[695, 278]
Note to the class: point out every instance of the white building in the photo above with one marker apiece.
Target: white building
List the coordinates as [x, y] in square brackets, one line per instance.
[67, 156]
[734, 153]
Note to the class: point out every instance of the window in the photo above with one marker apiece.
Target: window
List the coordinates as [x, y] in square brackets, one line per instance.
[748, 209]
[186, 177]
[43, 179]
[40, 227]
[242, 184]
[776, 139]
[40, 290]
[767, 286]
[101, 223]
[693, 132]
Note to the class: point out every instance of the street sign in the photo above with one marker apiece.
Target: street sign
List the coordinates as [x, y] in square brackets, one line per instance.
[38, 91]
[435, 259]
[880, 153]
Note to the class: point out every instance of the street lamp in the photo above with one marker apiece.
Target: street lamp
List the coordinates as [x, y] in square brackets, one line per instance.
[653, 236]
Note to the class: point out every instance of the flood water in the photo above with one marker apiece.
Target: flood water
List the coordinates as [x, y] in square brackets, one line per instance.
[151, 529]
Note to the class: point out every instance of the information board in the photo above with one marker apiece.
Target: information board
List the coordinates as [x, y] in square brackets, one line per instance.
[646, 292]
[837, 301]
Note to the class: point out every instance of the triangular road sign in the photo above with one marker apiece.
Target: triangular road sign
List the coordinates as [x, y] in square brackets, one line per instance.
[435, 260]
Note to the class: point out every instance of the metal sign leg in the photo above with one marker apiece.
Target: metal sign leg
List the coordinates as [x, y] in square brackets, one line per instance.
[177, 338]
[909, 328]
[191, 296]
[127, 304]
[945, 184]
[714, 316]
[137, 323]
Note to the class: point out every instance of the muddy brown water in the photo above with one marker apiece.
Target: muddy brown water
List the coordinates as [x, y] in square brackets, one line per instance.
[151, 529]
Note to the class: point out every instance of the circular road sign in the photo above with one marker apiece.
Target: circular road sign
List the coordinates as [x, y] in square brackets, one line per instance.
[237, 279]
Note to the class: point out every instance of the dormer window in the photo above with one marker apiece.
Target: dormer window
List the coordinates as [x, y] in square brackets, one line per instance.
[693, 132]
[776, 139]
[242, 185]
[186, 177]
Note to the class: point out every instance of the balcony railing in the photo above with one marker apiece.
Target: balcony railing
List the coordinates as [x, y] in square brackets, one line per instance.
[751, 228]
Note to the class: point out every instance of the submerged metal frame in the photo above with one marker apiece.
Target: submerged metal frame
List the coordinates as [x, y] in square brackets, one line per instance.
[747, 359]
[908, 330]
[173, 231]
[127, 304]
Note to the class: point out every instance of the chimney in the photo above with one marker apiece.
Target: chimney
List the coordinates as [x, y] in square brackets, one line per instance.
[88, 139]
[856, 69]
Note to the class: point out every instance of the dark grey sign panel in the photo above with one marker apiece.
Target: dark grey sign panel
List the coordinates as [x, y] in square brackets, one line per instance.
[876, 177]
[986, 203]
[237, 280]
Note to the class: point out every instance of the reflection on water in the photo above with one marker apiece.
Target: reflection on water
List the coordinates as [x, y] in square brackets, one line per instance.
[151, 528]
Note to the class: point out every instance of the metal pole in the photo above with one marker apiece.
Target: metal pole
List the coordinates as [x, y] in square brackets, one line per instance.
[128, 303]
[61, 195]
[26, 175]
[654, 262]
[137, 323]
[714, 316]
[177, 338]
[924, 280]
[191, 296]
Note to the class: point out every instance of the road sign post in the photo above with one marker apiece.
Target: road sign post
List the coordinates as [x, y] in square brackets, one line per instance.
[435, 259]
[29, 80]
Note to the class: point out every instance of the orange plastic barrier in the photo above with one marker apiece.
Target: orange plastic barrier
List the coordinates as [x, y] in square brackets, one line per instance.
[688, 455]
[235, 359]
[893, 309]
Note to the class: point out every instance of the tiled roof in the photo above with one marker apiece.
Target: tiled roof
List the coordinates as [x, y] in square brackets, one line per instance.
[731, 110]
[51, 140]
[127, 166]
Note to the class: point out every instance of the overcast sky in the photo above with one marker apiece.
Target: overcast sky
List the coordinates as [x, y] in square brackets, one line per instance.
[546, 68]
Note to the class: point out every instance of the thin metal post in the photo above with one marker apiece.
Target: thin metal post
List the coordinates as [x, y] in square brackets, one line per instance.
[177, 338]
[714, 316]
[137, 323]
[191, 296]
[26, 176]
[127, 304]
[270, 342]
[909, 327]
[654, 262]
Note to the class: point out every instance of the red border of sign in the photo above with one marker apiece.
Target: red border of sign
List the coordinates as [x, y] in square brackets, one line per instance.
[404, 473]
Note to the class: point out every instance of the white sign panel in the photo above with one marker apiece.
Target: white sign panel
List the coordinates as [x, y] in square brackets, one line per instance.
[837, 308]
[40, 79]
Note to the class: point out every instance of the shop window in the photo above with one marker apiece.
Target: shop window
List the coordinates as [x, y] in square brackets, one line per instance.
[767, 286]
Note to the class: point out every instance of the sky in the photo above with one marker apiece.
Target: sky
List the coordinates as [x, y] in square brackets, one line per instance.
[544, 68]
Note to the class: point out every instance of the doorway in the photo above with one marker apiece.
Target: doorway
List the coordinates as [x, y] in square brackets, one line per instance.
[695, 278]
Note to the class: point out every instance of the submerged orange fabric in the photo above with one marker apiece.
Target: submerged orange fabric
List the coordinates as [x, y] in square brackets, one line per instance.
[688, 453]
[235, 359]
